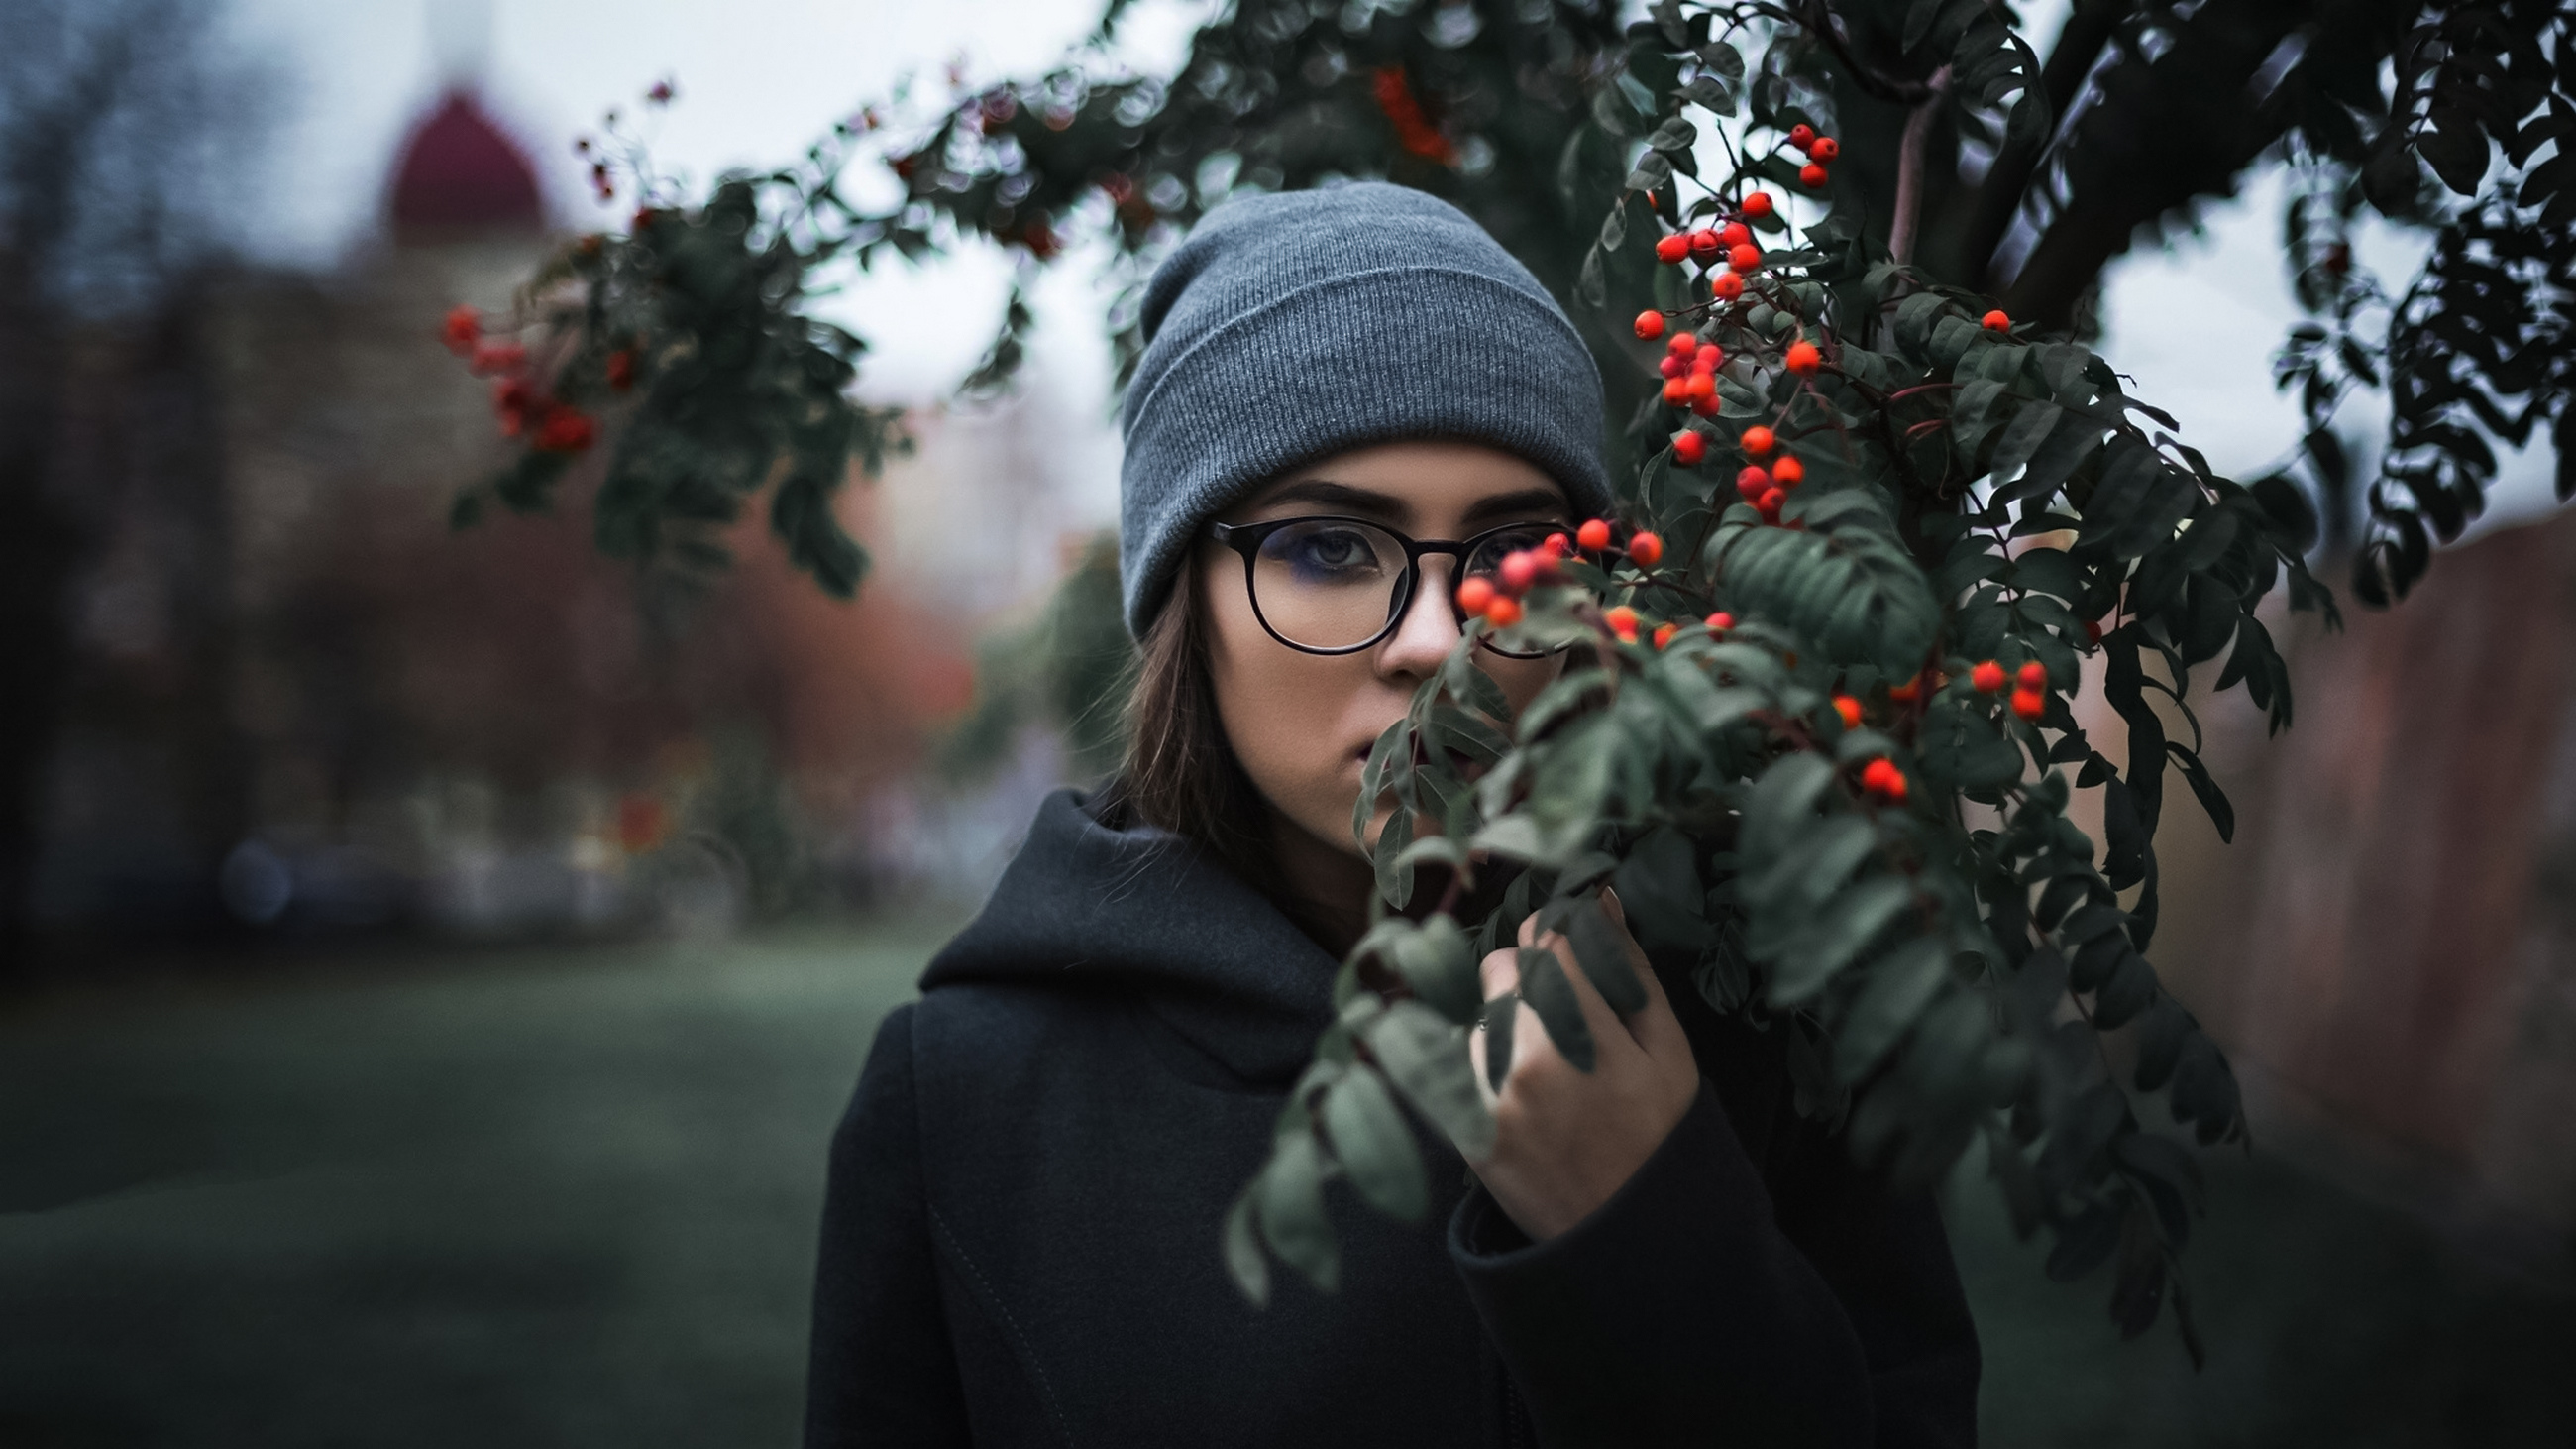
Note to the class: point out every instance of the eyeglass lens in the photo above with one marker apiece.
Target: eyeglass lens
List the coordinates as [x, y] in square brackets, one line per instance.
[1331, 583]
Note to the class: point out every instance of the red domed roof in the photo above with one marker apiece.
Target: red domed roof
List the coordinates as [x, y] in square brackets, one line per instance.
[460, 172]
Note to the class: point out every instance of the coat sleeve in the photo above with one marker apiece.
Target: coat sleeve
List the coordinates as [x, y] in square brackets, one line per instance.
[883, 1369]
[1679, 1312]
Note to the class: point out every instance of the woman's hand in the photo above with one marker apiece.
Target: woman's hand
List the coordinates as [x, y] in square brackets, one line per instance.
[1565, 1140]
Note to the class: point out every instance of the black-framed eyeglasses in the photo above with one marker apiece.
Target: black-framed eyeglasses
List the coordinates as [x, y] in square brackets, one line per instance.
[1329, 585]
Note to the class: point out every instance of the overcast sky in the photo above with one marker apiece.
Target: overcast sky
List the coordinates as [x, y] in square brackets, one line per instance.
[2195, 324]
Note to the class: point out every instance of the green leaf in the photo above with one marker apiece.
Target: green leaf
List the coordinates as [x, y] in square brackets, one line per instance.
[1426, 1058]
[1899, 988]
[2029, 428]
[1544, 987]
[1502, 1015]
[1244, 1260]
[1914, 318]
[1291, 1207]
[1436, 963]
[1375, 1147]
[1601, 949]
[1846, 925]
[1394, 886]
[1781, 800]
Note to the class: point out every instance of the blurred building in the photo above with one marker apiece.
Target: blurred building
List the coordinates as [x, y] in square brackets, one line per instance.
[301, 699]
[2388, 949]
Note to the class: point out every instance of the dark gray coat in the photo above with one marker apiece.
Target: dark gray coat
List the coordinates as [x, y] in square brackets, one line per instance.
[1020, 1239]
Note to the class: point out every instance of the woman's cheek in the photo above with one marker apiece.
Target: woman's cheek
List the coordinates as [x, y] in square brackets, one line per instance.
[1289, 733]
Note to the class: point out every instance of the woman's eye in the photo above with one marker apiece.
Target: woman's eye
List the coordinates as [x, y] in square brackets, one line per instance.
[1336, 551]
[1490, 553]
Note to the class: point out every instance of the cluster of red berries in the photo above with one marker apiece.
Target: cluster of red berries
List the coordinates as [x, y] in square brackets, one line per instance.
[1728, 251]
[1767, 488]
[2030, 687]
[524, 409]
[1881, 777]
[1818, 150]
[1690, 370]
[1497, 599]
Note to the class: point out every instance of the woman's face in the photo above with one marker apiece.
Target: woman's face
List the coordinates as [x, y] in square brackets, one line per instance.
[1302, 723]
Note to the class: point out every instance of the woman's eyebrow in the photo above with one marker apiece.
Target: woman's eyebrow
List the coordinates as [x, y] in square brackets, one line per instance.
[1519, 504]
[1336, 495]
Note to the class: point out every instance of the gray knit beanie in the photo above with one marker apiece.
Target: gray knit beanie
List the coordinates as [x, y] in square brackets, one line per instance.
[1291, 327]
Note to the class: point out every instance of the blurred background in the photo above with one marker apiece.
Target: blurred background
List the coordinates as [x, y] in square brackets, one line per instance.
[430, 977]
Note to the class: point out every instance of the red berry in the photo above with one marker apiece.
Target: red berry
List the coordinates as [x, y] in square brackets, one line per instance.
[1757, 440]
[1475, 593]
[1708, 357]
[1881, 778]
[565, 430]
[1622, 621]
[1757, 204]
[1557, 546]
[1683, 344]
[1664, 634]
[1826, 148]
[1672, 248]
[1788, 470]
[2034, 675]
[1503, 612]
[1672, 366]
[1704, 245]
[1996, 321]
[2092, 631]
[1987, 677]
[1650, 325]
[1726, 286]
[1744, 258]
[1720, 622]
[1753, 483]
[1594, 535]
[1702, 387]
[1812, 176]
[1518, 570]
[1908, 692]
[1677, 391]
[1772, 499]
[1802, 358]
[1849, 709]
[2030, 704]
[1646, 548]
[463, 326]
[513, 400]
[1689, 447]
[1735, 234]
[1802, 135]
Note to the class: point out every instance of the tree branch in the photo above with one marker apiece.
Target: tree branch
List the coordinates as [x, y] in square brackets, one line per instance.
[1909, 168]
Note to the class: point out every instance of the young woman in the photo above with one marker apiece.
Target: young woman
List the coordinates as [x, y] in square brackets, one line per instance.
[1349, 399]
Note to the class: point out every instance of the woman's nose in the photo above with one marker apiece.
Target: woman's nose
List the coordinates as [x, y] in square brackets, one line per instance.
[1429, 628]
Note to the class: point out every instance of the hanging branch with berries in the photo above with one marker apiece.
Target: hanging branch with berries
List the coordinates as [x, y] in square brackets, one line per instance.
[1815, 726]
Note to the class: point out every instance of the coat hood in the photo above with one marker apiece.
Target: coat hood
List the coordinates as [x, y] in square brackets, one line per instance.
[1142, 911]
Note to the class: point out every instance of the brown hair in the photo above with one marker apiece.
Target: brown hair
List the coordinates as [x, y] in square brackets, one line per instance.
[1180, 772]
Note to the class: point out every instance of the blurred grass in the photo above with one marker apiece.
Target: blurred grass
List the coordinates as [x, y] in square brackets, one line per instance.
[567, 1197]
[560, 1197]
